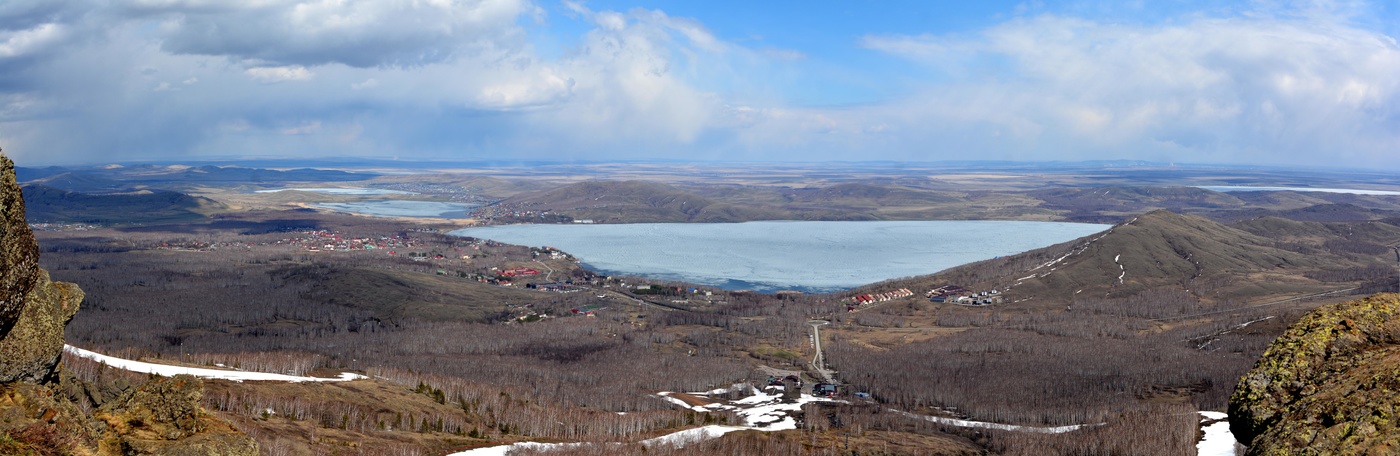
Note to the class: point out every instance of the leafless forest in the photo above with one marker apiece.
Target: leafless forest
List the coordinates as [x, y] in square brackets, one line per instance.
[480, 363]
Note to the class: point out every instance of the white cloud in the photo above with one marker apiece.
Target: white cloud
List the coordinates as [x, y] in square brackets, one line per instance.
[29, 41]
[279, 74]
[1252, 89]
[463, 77]
[358, 33]
[366, 84]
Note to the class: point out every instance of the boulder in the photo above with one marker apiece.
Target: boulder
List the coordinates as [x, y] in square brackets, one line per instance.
[33, 309]
[1329, 385]
[19, 254]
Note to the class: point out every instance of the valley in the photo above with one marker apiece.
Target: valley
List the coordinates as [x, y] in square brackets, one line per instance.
[469, 343]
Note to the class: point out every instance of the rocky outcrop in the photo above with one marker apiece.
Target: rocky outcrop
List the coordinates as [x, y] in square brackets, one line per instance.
[164, 417]
[34, 310]
[160, 417]
[1329, 385]
[19, 254]
[32, 348]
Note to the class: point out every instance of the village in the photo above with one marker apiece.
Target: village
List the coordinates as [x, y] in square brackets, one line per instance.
[962, 296]
[952, 294]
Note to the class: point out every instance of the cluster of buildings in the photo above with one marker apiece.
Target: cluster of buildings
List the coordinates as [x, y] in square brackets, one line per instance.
[520, 271]
[318, 240]
[871, 298]
[306, 240]
[62, 226]
[554, 254]
[450, 192]
[557, 287]
[489, 213]
[942, 293]
[959, 295]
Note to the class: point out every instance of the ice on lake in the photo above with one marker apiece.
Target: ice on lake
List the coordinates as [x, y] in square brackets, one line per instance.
[1354, 191]
[778, 255]
[357, 191]
[401, 208]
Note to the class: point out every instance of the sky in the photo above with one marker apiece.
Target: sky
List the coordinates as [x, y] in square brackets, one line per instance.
[1282, 83]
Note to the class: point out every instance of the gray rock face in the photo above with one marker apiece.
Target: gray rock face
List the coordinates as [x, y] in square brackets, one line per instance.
[33, 310]
[162, 417]
[1327, 385]
[19, 254]
[30, 352]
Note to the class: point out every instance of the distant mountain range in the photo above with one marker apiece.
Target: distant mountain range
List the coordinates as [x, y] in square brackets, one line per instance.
[175, 177]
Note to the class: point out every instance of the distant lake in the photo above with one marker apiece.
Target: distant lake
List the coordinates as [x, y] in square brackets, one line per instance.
[341, 191]
[1353, 191]
[786, 255]
[401, 208]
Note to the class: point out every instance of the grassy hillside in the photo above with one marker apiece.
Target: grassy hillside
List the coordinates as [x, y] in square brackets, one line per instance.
[1253, 260]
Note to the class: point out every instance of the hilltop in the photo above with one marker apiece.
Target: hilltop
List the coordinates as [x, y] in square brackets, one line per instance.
[48, 204]
[1161, 250]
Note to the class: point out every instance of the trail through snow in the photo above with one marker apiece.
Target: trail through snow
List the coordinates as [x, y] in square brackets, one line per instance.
[170, 371]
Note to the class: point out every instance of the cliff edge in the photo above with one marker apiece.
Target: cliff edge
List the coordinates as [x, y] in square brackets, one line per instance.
[34, 309]
[162, 416]
[1328, 385]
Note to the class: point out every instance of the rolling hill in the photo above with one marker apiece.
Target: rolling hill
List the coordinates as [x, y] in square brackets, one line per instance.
[635, 202]
[1162, 250]
[48, 204]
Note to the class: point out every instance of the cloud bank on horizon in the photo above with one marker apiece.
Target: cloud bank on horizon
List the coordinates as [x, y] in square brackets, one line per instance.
[1294, 83]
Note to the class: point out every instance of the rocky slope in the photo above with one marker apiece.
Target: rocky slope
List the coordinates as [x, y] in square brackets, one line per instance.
[1326, 386]
[36, 416]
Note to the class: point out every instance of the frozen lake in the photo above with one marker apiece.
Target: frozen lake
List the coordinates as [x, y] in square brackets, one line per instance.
[1353, 191]
[359, 191]
[770, 256]
[401, 208]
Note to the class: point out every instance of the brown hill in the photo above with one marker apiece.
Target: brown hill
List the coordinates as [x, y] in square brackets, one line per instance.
[48, 204]
[1162, 249]
[633, 202]
[1108, 204]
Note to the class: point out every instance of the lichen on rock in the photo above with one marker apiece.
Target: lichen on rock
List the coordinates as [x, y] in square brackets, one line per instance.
[19, 254]
[164, 416]
[1328, 385]
[33, 309]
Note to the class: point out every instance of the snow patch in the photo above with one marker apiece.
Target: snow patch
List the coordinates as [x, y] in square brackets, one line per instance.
[667, 397]
[689, 436]
[501, 450]
[1124, 272]
[998, 426]
[171, 371]
[1217, 439]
